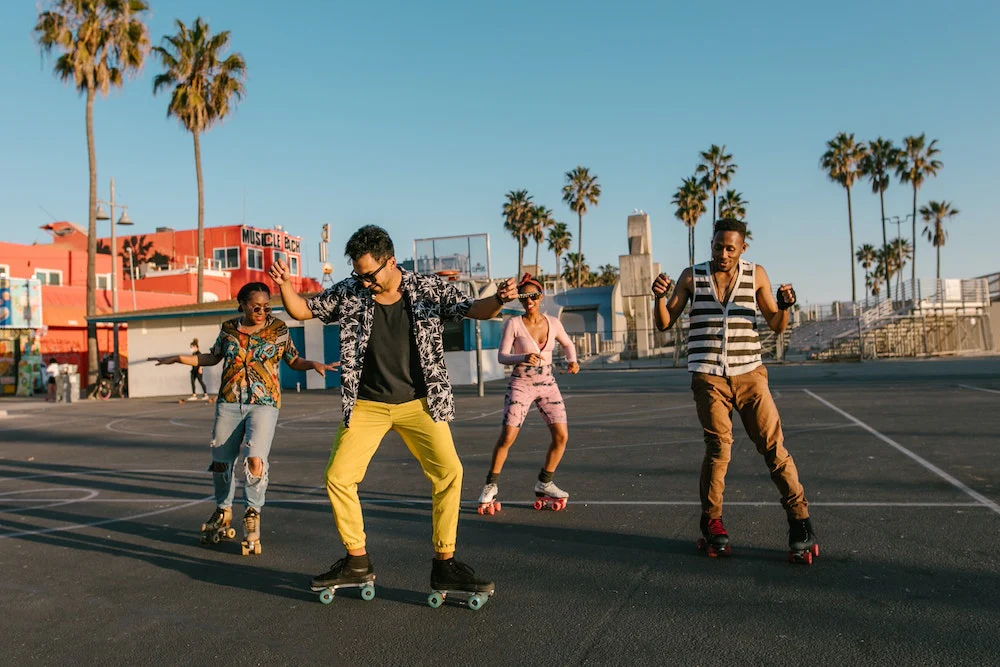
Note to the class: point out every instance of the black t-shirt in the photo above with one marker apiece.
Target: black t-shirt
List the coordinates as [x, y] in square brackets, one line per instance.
[392, 372]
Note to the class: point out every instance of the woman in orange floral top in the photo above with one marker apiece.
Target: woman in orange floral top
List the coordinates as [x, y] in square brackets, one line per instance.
[251, 346]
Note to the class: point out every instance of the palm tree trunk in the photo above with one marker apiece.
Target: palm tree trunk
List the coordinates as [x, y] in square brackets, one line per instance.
[939, 265]
[850, 229]
[92, 363]
[579, 248]
[520, 255]
[913, 260]
[201, 220]
[537, 243]
[885, 244]
[557, 266]
[691, 246]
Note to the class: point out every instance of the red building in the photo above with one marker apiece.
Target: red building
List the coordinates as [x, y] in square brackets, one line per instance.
[152, 271]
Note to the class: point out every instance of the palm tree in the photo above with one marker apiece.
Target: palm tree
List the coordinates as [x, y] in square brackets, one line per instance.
[916, 164]
[517, 212]
[100, 42]
[866, 258]
[207, 84]
[840, 162]
[607, 274]
[576, 267]
[880, 158]
[560, 240]
[581, 190]
[690, 201]
[540, 220]
[140, 250]
[732, 205]
[717, 169]
[935, 214]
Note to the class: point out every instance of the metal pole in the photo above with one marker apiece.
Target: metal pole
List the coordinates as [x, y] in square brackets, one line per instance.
[114, 250]
[479, 359]
[131, 272]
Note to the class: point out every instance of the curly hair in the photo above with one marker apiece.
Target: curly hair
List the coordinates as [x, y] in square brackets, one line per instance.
[370, 240]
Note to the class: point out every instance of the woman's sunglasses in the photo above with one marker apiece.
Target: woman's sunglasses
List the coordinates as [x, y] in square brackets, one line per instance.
[534, 296]
[261, 309]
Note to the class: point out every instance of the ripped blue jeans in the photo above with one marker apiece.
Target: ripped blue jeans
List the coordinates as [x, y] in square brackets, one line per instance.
[237, 424]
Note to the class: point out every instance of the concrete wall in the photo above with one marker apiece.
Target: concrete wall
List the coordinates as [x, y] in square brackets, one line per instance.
[157, 337]
[994, 324]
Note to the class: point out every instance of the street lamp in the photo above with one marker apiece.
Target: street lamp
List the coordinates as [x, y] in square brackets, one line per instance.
[899, 247]
[124, 220]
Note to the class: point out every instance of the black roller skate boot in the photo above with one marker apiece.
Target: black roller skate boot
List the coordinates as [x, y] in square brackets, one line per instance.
[348, 572]
[715, 540]
[802, 544]
[450, 577]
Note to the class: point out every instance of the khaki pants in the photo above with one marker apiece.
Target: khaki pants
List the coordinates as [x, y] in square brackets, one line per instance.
[430, 443]
[715, 398]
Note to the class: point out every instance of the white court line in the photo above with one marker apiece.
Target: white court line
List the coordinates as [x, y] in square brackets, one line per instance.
[922, 461]
[77, 526]
[969, 386]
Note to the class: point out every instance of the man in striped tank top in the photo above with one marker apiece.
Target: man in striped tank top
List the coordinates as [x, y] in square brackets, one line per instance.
[724, 359]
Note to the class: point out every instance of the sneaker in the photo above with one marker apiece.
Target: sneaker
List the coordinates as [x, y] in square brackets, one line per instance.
[800, 534]
[347, 570]
[714, 531]
[192, 397]
[451, 575]
[550, 490]
[489, 494]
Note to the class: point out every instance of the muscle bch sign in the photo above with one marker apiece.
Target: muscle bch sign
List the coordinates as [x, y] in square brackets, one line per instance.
[270, 239]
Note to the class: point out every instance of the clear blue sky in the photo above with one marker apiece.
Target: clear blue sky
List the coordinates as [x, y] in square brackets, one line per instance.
[421, 116]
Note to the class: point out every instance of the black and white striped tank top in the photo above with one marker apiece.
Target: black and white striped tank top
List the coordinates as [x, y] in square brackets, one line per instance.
[723, 339]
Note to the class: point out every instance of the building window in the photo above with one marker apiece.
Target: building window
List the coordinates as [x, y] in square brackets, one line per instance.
[103, 281]
[227, 258]
[255, 259]
[280, 255]
[49, 276]
[293, 265]
[5, 270]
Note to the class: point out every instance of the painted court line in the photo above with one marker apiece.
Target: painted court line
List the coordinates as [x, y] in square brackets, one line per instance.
[922, 461]
[988, 391]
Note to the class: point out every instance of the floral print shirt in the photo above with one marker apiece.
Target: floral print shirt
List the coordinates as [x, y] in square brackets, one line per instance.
[250, 362]
[429, 300]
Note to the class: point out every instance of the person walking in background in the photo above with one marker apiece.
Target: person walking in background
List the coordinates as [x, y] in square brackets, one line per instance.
[52, 371]
[527, 344]
[197, 374]
[251, 348]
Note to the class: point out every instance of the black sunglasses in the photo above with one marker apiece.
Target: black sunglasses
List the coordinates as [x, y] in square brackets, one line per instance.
[261, 309]
[366, 278]
[534, 296]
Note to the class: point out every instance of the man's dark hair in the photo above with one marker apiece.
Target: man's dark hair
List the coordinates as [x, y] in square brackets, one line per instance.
[730, 225]
[244, 294]
[370, 240]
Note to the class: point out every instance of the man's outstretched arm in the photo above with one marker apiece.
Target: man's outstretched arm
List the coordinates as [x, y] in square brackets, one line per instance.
[294, 304]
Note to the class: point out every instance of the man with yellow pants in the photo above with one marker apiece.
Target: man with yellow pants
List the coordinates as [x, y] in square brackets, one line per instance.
[393, 377]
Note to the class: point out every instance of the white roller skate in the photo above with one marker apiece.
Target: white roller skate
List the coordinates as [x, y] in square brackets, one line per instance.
[488, 504]
[547, 494]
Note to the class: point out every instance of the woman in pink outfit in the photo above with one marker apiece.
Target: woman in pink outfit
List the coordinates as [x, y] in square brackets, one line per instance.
[527, 344]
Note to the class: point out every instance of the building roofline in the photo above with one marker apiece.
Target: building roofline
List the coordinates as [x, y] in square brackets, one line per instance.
[228, 307]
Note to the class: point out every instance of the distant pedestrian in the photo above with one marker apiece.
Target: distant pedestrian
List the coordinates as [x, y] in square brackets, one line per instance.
[52, 370]
[197, 374]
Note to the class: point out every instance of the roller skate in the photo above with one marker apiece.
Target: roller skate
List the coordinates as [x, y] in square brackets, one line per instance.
[802, 544]
[488, 503]
[547, 494]
[452, 578]
[348, 572]
[715, 540]
[218, 526]
[251, 532]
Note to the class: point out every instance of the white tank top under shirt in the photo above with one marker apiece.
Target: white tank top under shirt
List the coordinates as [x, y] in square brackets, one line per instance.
[723, 338]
